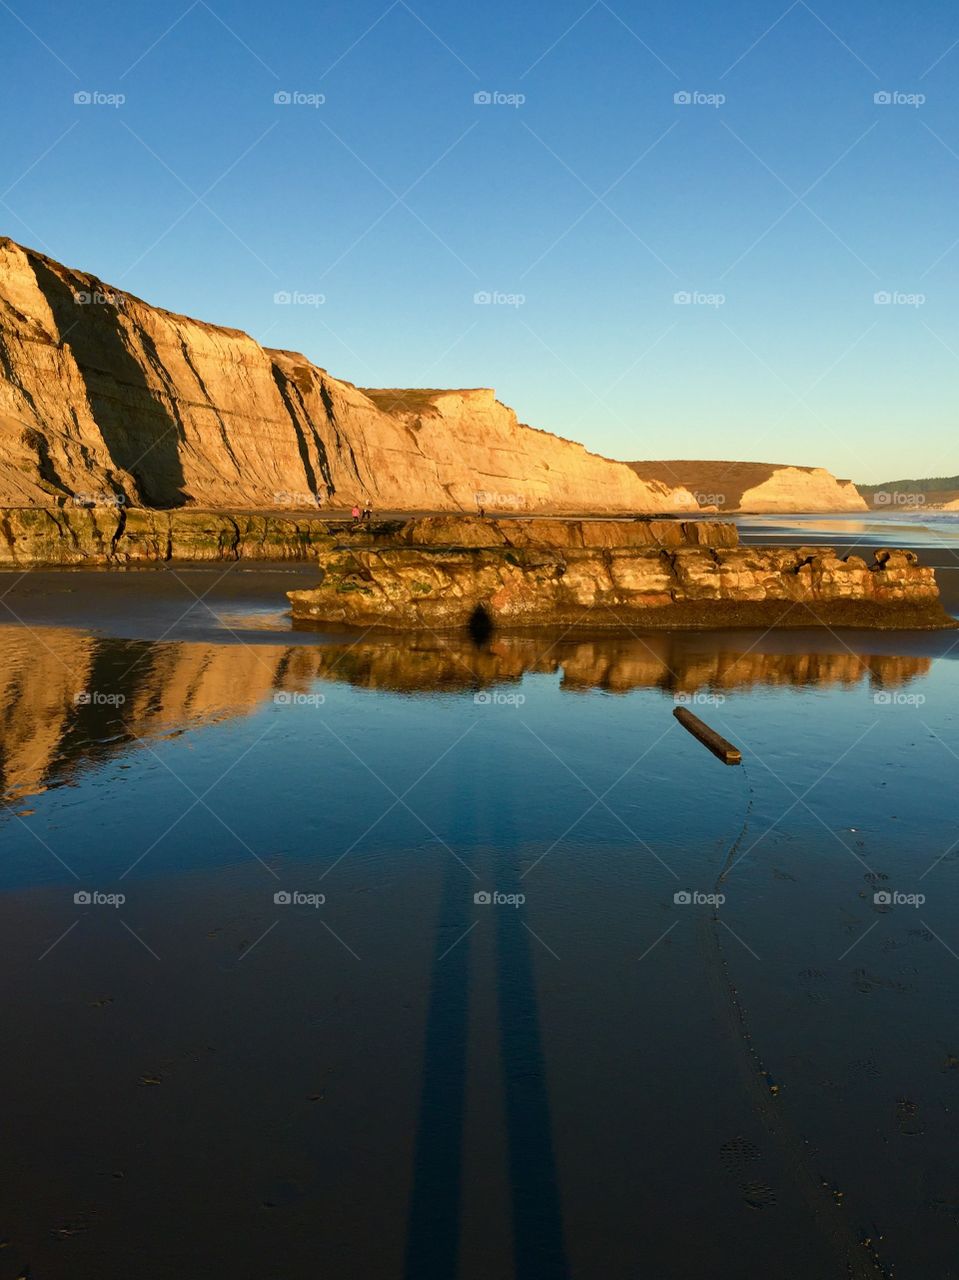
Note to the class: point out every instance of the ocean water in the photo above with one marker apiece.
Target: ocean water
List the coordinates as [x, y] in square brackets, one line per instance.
[365, 956]
[912, 527]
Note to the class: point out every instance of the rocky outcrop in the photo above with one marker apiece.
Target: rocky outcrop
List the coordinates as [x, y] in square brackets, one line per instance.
[439, 574]
[757, 486]
[118, 536]
[103, 396]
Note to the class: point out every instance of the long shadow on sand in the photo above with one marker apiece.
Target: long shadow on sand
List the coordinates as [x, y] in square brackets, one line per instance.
[436, 1201]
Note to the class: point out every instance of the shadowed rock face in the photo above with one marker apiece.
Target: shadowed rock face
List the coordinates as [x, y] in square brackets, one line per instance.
[103, 395]
[78, 700]
[438, 573]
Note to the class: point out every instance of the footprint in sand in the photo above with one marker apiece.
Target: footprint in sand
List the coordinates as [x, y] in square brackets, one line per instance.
[738, 1154]
[908, 1120]
[758, 1195]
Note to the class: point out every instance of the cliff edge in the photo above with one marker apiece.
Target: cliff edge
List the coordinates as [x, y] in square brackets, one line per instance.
[106, 399]
[757, 486]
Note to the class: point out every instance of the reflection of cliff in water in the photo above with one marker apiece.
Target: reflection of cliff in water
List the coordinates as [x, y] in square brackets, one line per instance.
[69, 699]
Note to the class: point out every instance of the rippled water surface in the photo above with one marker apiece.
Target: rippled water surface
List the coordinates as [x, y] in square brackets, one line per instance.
[705, 1026]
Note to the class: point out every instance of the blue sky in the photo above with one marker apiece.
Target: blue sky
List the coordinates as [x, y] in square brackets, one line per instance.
[582, 200]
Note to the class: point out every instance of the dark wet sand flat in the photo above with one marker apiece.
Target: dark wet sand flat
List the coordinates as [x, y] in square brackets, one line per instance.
[704, 1025]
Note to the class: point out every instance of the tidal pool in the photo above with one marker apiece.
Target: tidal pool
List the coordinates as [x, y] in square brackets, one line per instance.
[337, 955]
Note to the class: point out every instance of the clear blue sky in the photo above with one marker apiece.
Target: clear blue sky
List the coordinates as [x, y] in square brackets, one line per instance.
[596, 200]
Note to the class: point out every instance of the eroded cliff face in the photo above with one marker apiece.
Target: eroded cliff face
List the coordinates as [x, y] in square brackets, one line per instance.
[624, 575]
[758, 486]
[102, 395]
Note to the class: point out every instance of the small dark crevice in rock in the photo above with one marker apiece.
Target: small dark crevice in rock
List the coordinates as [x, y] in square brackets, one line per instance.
[118, 531]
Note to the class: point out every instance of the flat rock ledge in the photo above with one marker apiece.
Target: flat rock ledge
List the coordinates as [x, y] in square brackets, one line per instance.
[447, 572]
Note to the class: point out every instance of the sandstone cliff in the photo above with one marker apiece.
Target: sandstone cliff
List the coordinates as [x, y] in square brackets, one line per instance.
[448, 573]
[105, 397]
[757, 486]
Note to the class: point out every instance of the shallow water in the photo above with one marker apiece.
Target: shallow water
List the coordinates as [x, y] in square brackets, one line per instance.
[600, 1080]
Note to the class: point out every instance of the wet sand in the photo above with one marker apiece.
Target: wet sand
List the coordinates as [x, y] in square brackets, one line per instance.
[600, 1081]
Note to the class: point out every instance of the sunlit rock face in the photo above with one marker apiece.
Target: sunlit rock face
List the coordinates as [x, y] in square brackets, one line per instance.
[439, 573]
[106, 398]
[757, 486]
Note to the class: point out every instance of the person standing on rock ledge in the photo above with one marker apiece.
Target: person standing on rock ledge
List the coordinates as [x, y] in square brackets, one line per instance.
[355, 513]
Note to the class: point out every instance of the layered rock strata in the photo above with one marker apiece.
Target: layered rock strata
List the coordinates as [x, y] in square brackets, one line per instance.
[105, 397]
[447, 574]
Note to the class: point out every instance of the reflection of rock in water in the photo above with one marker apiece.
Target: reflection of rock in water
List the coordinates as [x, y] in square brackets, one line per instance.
[68, 698]
[673, 662]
